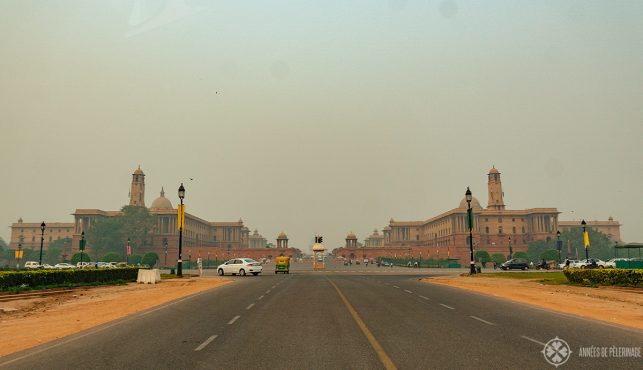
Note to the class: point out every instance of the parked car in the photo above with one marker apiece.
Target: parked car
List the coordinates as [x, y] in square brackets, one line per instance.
[590, 263]
[64, 266]
[85, 265]
[103, 265]
[240, 266]
[32, 265]
[515, 263]
[568, 263]
[47, 266]
[612, 263]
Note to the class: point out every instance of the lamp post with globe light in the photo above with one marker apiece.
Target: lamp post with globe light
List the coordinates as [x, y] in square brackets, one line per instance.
[469, 197]
[42, 240]
[179, 265]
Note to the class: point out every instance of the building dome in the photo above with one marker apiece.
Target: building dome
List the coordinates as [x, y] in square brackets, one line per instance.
[475, 204]
[493, 170]
[161, 202]
[282, 235]
[351, 236]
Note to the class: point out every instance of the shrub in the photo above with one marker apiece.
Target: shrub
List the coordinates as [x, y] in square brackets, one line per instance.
[621, 277]
[150, 259]
[42, 278]
[520, 255]
[112, 257]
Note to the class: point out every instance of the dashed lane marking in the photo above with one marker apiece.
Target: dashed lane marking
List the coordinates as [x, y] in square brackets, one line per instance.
[482, 320]
[408, 291]
[427, 298]
[395, 286]
[449, 307]
[267, 291]
[207, 341]
[260, 297]
[233, 320]
[533, 340]
[250, 306]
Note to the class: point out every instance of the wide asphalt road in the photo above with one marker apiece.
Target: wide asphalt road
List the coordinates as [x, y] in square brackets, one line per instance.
[351, 317]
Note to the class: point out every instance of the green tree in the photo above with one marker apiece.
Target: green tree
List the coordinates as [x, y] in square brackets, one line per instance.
[76, 258]
[112, 257]
[521, 255]
[136, 224]
[3, 244]
[105, 235]
[135, 259]
[482, 256]
[498, 258]
[549, 254]
[52, 255]
[600, 244]
[150, 259]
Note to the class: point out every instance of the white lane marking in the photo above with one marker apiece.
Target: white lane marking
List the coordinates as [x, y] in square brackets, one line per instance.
[267, 291]
[449, 307]
[207, 341]
[408, 291]
[533, 340]
[233, 320]
[250, 306]
[395, 286]
[427, 298]
[482, 320]
[260, 297]
[274, 286]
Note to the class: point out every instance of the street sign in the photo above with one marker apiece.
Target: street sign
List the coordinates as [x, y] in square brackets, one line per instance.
[81, 245]
[559, 245]
[19, 254]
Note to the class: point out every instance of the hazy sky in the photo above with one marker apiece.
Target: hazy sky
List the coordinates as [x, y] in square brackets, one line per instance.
[322, 116]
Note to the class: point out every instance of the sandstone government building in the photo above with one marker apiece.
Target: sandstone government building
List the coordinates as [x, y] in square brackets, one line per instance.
[201, 238]
[496, 230]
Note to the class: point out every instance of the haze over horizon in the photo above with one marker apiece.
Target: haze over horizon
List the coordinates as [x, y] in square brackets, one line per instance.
[322, 117]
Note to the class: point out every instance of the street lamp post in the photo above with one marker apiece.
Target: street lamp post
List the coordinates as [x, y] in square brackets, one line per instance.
[179, 264]
[19, 254]
[511, 251]
[165, 245]
[559, 246]
[208, 259]
[585, 240]
[469, 197]
[82, 247]
[42, 240]
[128, 249]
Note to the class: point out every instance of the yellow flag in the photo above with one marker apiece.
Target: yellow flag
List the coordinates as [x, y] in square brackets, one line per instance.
[181, 217]
[586, 239]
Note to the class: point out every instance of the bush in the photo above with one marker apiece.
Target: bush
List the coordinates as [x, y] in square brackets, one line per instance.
[150, 259]
[43, 278]
[521, 255]
[620, 277]
[498, 258]
[112, 257]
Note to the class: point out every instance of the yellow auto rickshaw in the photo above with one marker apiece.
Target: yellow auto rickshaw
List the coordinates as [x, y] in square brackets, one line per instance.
[282, 264]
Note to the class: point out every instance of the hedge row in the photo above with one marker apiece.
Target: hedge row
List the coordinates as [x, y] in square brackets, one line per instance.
[621, 277]
[40, 278]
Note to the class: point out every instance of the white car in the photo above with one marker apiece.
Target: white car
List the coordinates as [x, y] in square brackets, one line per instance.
[240, 266]
[32, 265]
[612, 263]
[64, 266]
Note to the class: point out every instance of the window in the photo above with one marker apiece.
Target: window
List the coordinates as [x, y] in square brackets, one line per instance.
[487, 229]
[514, 230]
[499, 220]
[513, 220]
[523, 229]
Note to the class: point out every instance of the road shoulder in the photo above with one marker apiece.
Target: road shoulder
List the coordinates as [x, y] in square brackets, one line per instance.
[617, 306]
[28, 323]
